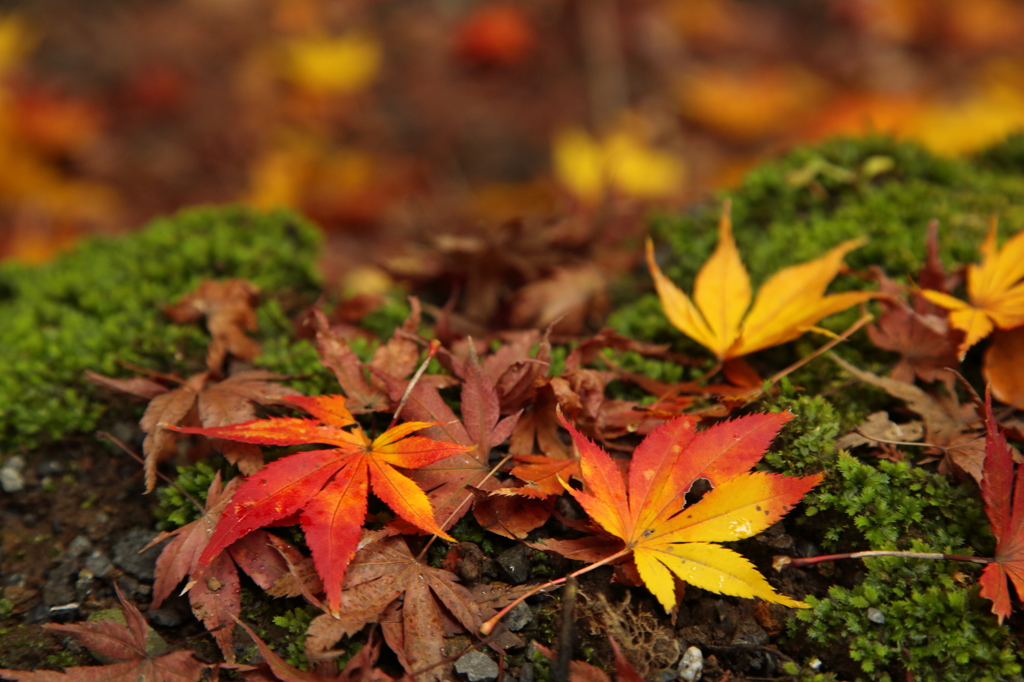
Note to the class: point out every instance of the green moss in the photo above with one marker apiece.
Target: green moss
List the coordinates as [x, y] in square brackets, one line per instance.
[935, 627]
[174, 508]
[100, 305]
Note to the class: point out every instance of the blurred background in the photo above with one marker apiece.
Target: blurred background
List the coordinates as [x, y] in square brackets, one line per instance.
[426, 134]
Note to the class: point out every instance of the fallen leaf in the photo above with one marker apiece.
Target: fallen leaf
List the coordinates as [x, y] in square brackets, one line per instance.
[495, 33]
[216, 598]
[382, 572]
[340, 65]
[950, 428]
[1002, 488]
[228, 307]
[124, 643]
[358, 669]
[1004, 366]
[994, 289]
[663, 535]
[448, 482]
[791, 302]
[580, 671]
[329, 487]
[200, 400]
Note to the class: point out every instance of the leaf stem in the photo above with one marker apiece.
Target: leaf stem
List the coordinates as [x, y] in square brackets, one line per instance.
[462, 504]
[780, 562]
[118, 443]
[775, 378]
[489, 626]
[432, 349]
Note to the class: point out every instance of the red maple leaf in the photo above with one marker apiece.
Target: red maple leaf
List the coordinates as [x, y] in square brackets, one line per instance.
[1002, 488]
[329, 487]
[125, 643]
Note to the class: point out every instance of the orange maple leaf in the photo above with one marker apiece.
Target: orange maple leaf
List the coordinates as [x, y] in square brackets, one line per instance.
[1002, 488]
[791, 302]
[330, 487]
[663, 535]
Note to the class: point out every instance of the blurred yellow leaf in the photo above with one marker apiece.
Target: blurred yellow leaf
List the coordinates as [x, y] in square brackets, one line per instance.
[334, 65]
[791, 302]
[15, 41]
[622, 162]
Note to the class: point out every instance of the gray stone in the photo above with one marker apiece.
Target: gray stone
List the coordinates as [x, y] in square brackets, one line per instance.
[519, 617]
[749, 632]
[12, 478]
[99, 564]
[127, 554]
[515, 564]
[79, 546]
[477, 667]
[59, 588]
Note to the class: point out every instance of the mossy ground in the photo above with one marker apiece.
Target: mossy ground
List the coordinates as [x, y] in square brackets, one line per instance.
[101, 304]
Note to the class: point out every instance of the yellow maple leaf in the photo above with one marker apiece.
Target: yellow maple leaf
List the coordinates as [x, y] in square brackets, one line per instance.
[994, 288]
[621, 161]
[334, 65]
[791, 302]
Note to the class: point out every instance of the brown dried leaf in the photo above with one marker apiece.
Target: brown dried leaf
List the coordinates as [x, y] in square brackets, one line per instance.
[228, 307]
[116, 641]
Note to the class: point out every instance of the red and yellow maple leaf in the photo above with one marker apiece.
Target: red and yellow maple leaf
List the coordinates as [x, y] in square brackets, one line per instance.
[1003, 491]
[329, 487]
[791, 302]
[663, 535]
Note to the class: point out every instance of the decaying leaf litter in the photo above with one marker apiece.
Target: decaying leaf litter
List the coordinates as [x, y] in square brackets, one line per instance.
[653, 535]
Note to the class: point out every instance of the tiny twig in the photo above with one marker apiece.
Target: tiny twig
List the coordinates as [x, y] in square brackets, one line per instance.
[462, 504]
[488, 627]
[781, 561]
[565, 635]
[140, 460]
[775, 378]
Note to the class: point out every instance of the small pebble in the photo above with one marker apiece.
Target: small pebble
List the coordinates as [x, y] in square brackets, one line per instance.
[692, 665]
[12, 480]
[477, 667]
[79, 546]
[99, 564]
[519, 617]
[876, 616]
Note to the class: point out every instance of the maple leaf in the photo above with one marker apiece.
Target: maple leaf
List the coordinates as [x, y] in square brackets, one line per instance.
[382, 572]
[623, 161]
[580, 671]
[329, 487]
[228, 308]
[125, 643]
[216, 598]
[994, 288]
[358, 669]
[398, 358]
[448, 481]
[220, 403]
[791, 302]
[665, 538]
[1002, 488]
[917, 331]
